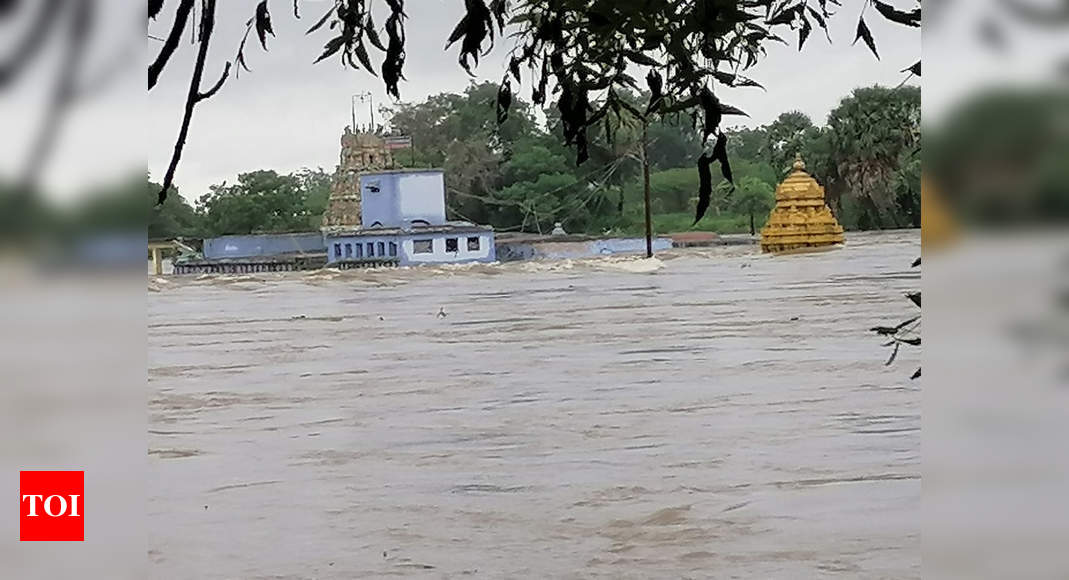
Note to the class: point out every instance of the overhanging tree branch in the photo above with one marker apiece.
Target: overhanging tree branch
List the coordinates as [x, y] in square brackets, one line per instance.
[193, 96]
[218, 84]
[180, 21]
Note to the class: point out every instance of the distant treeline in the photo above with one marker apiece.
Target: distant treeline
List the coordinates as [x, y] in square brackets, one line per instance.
[520, 176]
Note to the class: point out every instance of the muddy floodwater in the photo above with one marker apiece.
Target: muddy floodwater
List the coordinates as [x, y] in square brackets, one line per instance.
[711, 413]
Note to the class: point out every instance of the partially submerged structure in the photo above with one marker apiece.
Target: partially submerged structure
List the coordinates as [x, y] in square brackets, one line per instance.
[801, 219]
[403, 223]
[360, 152]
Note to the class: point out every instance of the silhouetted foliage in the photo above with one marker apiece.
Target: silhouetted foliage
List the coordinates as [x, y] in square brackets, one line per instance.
[579, 54]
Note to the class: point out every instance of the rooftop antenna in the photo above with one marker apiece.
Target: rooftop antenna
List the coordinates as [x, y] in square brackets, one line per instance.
[365, 97]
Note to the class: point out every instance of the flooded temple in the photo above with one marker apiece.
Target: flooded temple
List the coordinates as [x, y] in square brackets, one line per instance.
[801, 218]
[360, 152]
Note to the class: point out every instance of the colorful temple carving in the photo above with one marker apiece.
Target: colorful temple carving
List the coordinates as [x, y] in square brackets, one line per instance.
[360, 152]
[801, 218]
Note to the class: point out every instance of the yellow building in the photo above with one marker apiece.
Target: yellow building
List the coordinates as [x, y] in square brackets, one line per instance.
[801, 218]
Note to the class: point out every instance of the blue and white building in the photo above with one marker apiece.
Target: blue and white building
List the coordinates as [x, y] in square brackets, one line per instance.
[403, 222]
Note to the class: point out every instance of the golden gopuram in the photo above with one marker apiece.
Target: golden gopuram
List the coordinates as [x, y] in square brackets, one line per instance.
[801, 218]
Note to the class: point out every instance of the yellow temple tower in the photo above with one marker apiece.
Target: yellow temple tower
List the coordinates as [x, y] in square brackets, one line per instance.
[801, 218]
[360, 152]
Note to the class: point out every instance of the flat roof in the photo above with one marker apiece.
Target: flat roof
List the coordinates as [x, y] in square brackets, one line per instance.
[414, 231]
[401, 171]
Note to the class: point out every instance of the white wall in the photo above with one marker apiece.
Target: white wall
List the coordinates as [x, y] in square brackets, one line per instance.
[485, 253]
[403, 197]
[421, 196]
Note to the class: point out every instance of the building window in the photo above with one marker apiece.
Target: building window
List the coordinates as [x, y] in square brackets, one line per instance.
[422, 246]
[359, 250]
[393, 249]
[382, 249]
[451, 245]
[348, 250]
[371, 249]
[337, 251]
[473, 244]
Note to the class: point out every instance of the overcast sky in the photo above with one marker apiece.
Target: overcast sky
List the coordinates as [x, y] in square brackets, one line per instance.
[287, 113]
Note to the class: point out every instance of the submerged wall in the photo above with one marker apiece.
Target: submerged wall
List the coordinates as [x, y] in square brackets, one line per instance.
[248, 246]
[527, 249]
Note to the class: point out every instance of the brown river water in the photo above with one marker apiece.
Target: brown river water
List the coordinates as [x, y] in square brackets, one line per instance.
[711, 413]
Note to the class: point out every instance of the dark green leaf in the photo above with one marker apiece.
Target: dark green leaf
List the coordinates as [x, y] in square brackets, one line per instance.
[640, 58]
[729, 110]
[263, 23]
[720, 153]
[705, 186]
[361, 53]
[863, 32]
[319, 23]
[332, 46]
[504, 101]
[458, 32]
[656, 85]
[803, 33]
[373, 34]
[711, 110]
[514, 68]
[889, 12]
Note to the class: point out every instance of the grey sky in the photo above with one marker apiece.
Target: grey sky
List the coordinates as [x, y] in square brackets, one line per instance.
[287, 113]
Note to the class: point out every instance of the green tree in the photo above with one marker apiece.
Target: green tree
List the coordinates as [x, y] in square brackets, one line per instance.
[175, 218]
[789, 135]
[586, 49]
[461, 133]
[440, 120]
[260, 202]
[753, 197]
[870, 132]
[747, 143]
[546, 200]
[316, 184]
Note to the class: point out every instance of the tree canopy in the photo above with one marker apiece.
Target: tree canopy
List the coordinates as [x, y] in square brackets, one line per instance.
[527, 182]
[579, 55]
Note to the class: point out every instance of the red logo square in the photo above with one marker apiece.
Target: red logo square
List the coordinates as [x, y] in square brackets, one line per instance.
[52, 506]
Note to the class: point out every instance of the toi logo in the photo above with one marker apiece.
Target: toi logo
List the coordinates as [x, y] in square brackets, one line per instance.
[51, 506]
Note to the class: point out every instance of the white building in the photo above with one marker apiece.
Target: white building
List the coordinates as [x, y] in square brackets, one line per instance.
[403, 222]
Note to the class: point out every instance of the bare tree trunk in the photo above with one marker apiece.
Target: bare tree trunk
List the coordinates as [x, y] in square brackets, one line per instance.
[646, 189]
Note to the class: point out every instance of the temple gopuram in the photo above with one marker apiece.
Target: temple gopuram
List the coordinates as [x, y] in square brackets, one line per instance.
[801, 218]
[360, 152]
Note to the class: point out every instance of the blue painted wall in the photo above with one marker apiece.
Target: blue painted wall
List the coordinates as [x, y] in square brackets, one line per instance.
[396, 199]
[248, 246]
